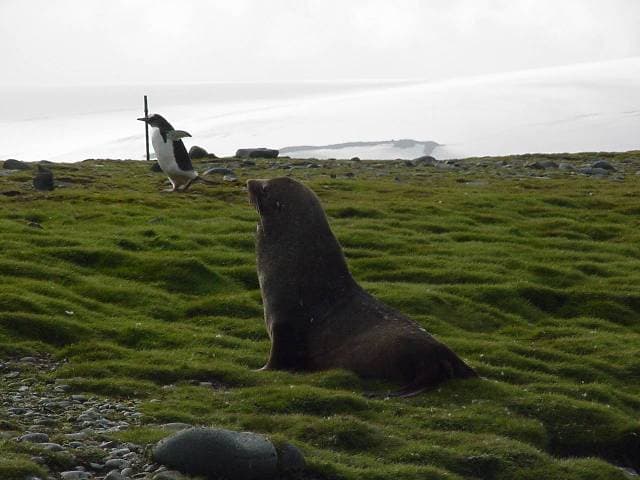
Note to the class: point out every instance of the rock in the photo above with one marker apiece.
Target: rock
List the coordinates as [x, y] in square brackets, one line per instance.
[355, 159]
[34, 438]
[197, 152]
[218, 453]
[13, 164]
[176, 426]
[409, 163]
[120, 452]
[116, 463]
[115, 475]
[257, 153]
[290, 459]
[603, 164]
[52, 447]
[230, 178]
[43, 179]
[75, 475]
[542, 165]
[566, 166]
[424, 160]
[248, 163]
[168, 475]
[155, 167]
[593, 171]
[219, 170]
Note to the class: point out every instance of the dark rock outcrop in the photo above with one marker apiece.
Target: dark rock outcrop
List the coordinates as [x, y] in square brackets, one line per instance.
[603, 164]
[257, 153]
[197, 152]
[13, 164]
[424, 160]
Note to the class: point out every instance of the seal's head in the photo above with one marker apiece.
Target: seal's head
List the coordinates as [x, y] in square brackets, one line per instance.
[286, 207]
[294, 238]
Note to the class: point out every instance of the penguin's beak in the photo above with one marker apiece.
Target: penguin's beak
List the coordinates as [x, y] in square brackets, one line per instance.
[143, 119]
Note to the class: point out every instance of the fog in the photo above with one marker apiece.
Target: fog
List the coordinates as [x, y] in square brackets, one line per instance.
[69, 42]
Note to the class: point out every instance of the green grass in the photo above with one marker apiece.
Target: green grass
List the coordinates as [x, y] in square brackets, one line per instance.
[535, 282]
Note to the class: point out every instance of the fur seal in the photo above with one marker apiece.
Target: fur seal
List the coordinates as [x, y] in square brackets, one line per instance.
[317, 315]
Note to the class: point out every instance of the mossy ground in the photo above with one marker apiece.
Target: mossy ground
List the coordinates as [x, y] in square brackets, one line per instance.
[534, 281]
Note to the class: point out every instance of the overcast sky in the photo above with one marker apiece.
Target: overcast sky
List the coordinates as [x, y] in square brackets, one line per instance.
[167, 41]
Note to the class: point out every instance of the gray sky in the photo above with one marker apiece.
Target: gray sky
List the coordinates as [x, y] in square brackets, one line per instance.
[166, 41]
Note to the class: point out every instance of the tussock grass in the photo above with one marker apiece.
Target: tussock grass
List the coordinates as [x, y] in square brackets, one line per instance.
[533, 281]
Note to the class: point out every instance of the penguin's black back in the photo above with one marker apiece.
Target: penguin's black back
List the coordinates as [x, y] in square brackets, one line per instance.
[179, 150]
[181, 155]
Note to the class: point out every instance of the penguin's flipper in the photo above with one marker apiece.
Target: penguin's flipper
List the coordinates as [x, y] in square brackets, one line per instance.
[174, 135]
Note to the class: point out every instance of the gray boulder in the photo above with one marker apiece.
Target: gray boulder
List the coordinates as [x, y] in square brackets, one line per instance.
[217, 453]
[257, 153]
[43, 179]
[424, 160]
[566, 166]
[542, 165]
[593, 171]
[219, 171]
[603, 164]
[34, 438]
[197, 152]
[13, 164]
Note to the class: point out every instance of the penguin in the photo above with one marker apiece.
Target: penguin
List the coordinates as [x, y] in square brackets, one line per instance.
[171, 153]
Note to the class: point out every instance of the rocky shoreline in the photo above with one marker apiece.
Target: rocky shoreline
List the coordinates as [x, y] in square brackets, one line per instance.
[69, 434]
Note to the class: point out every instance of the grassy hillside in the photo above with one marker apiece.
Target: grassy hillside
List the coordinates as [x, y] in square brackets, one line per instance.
[532, 277]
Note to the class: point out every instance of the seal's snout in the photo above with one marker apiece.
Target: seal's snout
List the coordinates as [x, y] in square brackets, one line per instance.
[255, 188]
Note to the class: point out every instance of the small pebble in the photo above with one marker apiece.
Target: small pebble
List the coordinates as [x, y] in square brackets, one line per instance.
[52, 447]
[116, 463]
[114, 475]
[75, 475]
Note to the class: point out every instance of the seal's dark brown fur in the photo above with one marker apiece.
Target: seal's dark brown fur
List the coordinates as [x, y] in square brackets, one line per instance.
[316, 314]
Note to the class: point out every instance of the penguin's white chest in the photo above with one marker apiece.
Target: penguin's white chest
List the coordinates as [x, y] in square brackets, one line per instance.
[164, 153]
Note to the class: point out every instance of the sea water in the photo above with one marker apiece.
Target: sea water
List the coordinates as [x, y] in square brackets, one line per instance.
[590, 107]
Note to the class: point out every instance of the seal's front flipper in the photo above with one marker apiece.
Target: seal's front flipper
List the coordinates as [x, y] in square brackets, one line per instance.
[174, 135]
[287, 352]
